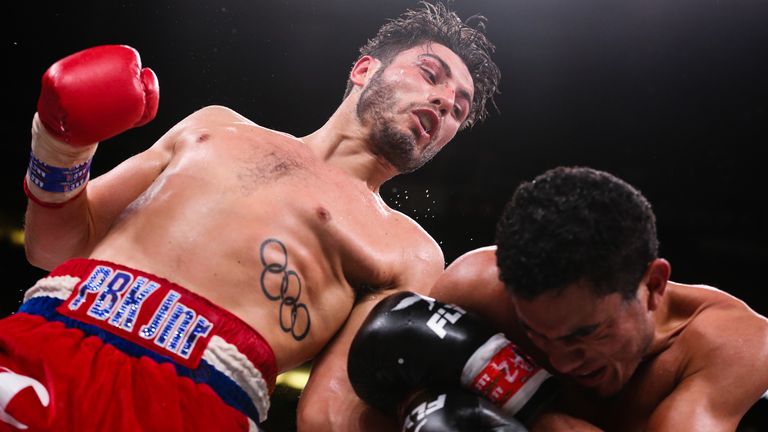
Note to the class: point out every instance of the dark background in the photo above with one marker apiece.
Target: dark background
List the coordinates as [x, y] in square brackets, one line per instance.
[671, 95]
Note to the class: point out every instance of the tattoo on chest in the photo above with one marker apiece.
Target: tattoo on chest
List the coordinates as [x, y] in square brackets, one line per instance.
[281, 284]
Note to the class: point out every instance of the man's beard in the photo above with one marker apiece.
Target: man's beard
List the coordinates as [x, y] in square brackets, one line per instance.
[375, 109]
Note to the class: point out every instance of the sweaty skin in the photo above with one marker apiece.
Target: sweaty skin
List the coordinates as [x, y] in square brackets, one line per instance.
[286, 233]
[701, 367]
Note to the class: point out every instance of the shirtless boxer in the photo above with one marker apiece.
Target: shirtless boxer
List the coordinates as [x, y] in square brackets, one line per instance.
[587, 294]
[226, 253]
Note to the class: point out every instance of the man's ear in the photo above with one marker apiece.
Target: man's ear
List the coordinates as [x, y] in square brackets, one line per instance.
[363, 70]
[655, 279]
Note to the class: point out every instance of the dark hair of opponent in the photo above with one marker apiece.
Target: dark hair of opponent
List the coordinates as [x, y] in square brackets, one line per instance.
[575, 224]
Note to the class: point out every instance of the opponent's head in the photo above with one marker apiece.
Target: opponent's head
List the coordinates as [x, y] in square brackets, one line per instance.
[577, 249]
[453, 80]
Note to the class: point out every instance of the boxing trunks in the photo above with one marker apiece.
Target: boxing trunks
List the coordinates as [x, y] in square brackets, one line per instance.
[97, 346]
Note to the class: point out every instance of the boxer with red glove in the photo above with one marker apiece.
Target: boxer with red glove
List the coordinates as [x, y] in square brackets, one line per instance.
[85, 98]
[411, 342]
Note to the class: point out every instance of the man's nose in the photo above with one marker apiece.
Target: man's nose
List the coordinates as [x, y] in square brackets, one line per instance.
[442, 97]
[565, 359]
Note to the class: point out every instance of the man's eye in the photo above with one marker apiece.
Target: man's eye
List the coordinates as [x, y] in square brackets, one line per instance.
[430, 75]
[533, 336]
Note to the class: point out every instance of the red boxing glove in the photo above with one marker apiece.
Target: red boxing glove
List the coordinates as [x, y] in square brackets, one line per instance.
[97, 93]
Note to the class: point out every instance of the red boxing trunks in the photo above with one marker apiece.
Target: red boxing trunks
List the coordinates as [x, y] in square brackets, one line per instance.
[98, 346]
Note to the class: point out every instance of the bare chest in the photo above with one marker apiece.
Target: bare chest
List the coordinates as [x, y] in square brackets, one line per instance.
[245, 193]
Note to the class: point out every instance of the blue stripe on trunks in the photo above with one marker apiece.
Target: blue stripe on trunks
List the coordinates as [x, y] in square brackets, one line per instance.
[229, 392]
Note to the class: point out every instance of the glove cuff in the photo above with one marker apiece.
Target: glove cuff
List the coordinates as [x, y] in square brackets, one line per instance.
[503, 374]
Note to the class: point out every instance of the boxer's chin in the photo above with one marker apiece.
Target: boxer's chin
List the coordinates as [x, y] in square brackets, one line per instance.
[398, 147]
[612, 382]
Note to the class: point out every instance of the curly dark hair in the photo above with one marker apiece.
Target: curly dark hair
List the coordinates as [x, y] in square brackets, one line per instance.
[575, 224]
[436, 23]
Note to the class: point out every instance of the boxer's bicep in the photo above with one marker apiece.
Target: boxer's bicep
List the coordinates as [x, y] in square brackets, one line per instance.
[109, 194]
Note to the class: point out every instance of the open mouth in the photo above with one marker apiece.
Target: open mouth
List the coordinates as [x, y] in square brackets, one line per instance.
[591, 377]
[428, 121]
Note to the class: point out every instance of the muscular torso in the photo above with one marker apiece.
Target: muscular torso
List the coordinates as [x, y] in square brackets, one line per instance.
[252, 220]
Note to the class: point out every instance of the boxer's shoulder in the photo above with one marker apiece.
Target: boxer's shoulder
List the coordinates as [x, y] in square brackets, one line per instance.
[721, 332]
[710, 310]
[217, 113]
[232, 135]
[218, 117]
[472, 282]
[477, 266]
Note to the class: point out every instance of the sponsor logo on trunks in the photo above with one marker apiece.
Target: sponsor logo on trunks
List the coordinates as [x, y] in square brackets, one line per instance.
[115, 299]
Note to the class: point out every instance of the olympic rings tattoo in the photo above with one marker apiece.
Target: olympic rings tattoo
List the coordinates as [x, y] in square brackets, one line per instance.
[296, 310]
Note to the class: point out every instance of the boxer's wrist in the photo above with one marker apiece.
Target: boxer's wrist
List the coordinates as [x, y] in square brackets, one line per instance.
[49, 199]
[54, 152]
[57, 172]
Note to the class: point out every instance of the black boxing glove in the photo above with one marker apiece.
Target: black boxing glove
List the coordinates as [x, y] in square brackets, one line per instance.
[455, 410]
[409, 342]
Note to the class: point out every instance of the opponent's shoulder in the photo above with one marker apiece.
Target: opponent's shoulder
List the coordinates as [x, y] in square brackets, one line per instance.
[472, 282]
[478, 265]
[713, 308]
[724, 346]
[726, 338]
[474, 270]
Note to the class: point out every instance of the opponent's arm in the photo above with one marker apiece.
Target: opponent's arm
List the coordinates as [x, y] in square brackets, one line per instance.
[725, 376]
[328, 402]
[85, 98]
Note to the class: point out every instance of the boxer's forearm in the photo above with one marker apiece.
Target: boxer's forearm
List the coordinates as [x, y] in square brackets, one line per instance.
[53, 235]
[328, 402]
[340, 412]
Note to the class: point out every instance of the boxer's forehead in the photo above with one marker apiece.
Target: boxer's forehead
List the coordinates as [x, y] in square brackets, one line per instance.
[562, 314]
